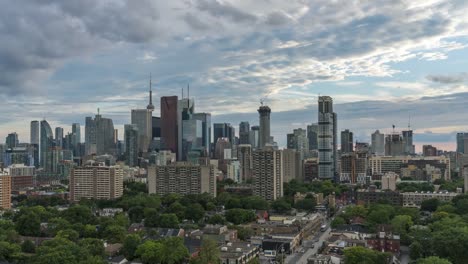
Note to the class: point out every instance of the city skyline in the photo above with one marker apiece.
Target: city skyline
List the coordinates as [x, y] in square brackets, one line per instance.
[407, 63]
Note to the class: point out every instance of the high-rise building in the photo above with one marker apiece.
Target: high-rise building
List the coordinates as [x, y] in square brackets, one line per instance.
[346, 141]
[394, 145]
[462, 143]
[76, 139]
[59, 137]
[267, 173]
[264, 134]
[142, 119]
[429, 150]
[12, 140]
[47, 142]
[292, 165]
[244, 129]
[156, 124]
[221, 145]
[22, 176]
[298, 141]
[34, 132]
[96, 182]
[389, 181]
[353, 167]
[99, 136]
[205, 119]
[378, 143]
[327, 134]
[131, 144]
[408, 147]
[223, 130]
[312, 132]
[169, 129]
[465, 178]
[254, 136]
[310, 170]
[182, 178]
[185, 110]
[244, 155]
[5, 190]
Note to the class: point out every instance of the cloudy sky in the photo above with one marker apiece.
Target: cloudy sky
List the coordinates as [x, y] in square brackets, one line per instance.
[384, 62]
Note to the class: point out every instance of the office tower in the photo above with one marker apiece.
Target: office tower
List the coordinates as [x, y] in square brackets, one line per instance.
[169, 130]
[394, 145]
[462, 143]
[19, 155]
[267, 173]
[3, 149]
[116, 136]
[99, 135]
[233, 171]
[346, 141]
[312, 131]
[465, 178]
[254, 136]
[221, 145]
[142, 119]
[429, 150]
[182, 178]
[244, 129]
[310, 170]
[298, 140]
[327, 138]
[353, 167]
[156, 127]
[34, 132]
[96, 182]
[244, 155]
[131, 144]
[205, 119]
[292, 165]
[59, 137]
[12, 140]
[22, 176]
[408, 142]
[5, 190]
[378, 143]
[47, 142]
[76, 139]
[185, 110]
[264, 133]
[223, 130]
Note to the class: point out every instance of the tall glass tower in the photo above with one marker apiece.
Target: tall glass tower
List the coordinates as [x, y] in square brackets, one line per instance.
[327, 134]
[264, 133]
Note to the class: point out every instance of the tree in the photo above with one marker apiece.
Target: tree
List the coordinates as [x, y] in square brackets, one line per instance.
[239, 216]
[93, 246]
[178, 209]
[136, 214]
[59, 250]
[89, 231]
[56, 224]
[430, 205]
[166, 251]
[307, 204]
[281, 205]
[151, 217]
[433, 260]
[130, 246]
[233, 203]
[338, 221]
[243, 233]
[254, 202]
[78, 214]
[29, 224]
[401, 225]
[209, 253]
[8, 251]
[217, 220]
[194, 212]
[168, 221]
[114, 233]
[28, 246]
[361, 255]
[69, 234]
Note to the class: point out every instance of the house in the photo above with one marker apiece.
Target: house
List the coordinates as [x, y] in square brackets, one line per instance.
[238, 253]
[385, 240]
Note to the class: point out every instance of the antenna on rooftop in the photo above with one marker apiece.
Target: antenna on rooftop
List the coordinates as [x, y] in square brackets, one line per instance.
[393, 128]
[409, 122]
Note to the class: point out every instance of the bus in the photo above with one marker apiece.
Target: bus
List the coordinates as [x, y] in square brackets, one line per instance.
[323, 227]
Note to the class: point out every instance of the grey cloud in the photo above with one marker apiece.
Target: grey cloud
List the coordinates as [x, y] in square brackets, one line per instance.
[225, 9]
[277, 18]
[448, 79]
[195, 22]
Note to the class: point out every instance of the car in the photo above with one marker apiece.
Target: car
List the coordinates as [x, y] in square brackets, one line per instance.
[313, 245]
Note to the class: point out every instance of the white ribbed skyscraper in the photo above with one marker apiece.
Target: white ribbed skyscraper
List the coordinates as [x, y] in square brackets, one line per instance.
[327, 138]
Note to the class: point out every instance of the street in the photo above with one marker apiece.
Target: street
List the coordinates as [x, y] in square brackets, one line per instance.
[301, 258]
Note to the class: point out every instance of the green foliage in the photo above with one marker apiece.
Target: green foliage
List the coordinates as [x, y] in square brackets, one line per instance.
[135, 188]
[141, 199]
[433, 260]
[28, 247]
[168, 221]
[254, 202]
[136, 214]
[430, 205]
[114, 233]
[307, 204]
[194, 212]
[281, 205]
[130, 246]
[361, 255]
[338, 221]
[151, 217]
[239, 216]
[178, 209]
[78, 214]
[28, 223]
[415, 187]
[9, 251]
[217, 220]
[69, 234]
[209, 253]
[93, 246]
[166, 251]
[243, 233]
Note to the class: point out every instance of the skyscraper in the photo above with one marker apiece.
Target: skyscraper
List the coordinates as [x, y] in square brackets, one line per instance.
[254, 136]
[47, 142]
[346, 141]
[244, 129]
[394, 145]
[12, 140]
[292, 165]
[34, 132]
[76, 139]
[264, 135]
[5, 190]
[268, 173]
[223, 130]
[298, 140]
[185, 111]
[312, 131]
[378, 143]
[142, 118]
[244, 155]
[96, 182]
[59, 137]
[131, 144]
[462, 141]
[408, 142]
[327, 138]
[205, 119]
[99, 135]
[169, 130]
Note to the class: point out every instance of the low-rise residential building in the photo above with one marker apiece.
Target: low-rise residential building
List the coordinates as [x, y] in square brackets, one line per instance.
[384, 241]
[373, 195]
[414, 199]
[238, 253]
